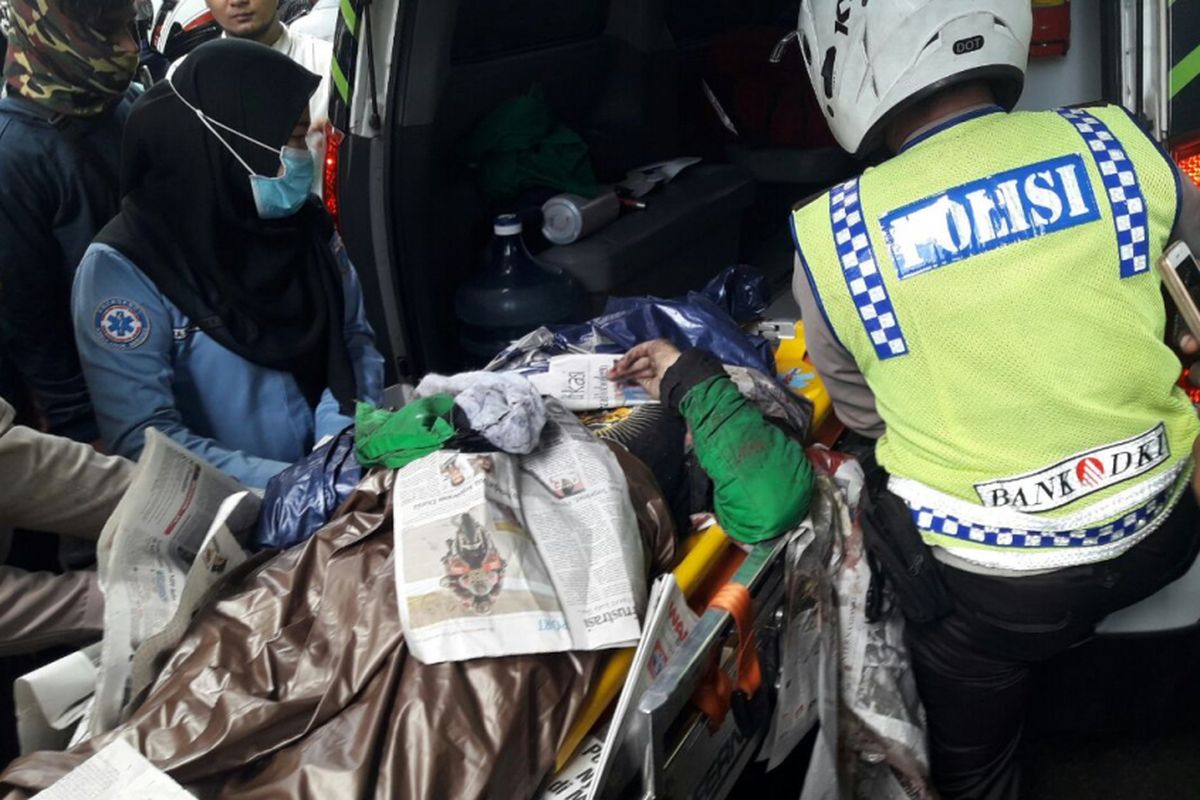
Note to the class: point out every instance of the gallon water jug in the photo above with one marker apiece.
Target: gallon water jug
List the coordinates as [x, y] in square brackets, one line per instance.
[512, 296]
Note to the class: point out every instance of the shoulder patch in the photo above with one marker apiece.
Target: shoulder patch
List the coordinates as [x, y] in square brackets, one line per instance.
[122, 324]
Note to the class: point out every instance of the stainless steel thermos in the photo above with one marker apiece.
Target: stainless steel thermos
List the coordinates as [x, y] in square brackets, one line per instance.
[567, 218]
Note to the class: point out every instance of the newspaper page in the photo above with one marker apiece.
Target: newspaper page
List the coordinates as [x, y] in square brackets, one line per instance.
[669, 621]
[885, 723]
[117, 772]
[83, 731]
[872, 739]
[580, 382]
[470, 582]
[806, 636]
[221, 554]
[51, 701]
[498, 555]
[144, 553]
[576, 503]
[822, 780]
[579, 774]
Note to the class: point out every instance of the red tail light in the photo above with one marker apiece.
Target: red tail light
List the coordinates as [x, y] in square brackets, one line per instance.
[1187, 156]
[329, 178]
[1193, 392]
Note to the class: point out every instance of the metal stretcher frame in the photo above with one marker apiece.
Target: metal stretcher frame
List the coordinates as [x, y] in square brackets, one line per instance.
[682, 757]
[676, 752]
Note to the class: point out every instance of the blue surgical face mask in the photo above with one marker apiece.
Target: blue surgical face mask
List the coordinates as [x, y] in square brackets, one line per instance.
[283, 196]
[275, 197]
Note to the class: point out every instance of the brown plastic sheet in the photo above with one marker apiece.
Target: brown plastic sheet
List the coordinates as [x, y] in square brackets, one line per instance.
[298, 685]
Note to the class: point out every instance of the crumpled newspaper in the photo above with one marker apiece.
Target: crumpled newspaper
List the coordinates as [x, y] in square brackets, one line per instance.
[872, 743]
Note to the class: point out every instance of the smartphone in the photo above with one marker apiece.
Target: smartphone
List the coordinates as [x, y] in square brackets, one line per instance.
[1181, 276]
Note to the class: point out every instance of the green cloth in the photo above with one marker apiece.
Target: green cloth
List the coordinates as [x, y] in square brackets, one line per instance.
[393, 439]
[521, 145]
[762, 480]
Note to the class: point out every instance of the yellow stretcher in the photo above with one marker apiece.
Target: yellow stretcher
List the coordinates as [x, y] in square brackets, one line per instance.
[708, 554]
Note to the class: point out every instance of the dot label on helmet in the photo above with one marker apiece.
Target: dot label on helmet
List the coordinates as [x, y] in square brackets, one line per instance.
[968, 45]
[996, 211]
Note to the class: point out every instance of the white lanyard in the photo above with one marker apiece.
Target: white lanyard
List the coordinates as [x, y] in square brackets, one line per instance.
[209, 122]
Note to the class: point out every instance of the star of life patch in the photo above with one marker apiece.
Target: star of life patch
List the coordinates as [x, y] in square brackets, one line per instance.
[1079, 475]
[122, 324]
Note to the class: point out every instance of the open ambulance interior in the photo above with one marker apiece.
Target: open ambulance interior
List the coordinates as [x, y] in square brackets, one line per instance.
[654, 80]
[302, 684]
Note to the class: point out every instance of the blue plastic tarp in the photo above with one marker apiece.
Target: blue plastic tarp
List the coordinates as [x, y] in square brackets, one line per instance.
[302, 498]
[708, 319]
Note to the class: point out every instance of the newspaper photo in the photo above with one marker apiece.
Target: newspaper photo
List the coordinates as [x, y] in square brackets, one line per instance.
[580, 382]
[145, 553]
[669, 621]
[117, 772]
[503, 555]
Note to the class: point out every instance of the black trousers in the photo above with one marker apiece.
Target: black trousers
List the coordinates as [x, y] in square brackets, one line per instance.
[974, 667]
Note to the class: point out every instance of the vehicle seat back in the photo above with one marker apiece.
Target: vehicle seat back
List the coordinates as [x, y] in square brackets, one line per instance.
[1173, 607]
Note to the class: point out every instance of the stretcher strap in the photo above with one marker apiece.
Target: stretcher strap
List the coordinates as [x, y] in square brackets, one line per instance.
[715, 690]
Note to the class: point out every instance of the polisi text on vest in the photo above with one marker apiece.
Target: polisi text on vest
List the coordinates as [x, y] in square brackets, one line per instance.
[989, 213]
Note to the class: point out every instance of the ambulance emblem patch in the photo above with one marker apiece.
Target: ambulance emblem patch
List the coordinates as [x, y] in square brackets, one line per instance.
[122, 324]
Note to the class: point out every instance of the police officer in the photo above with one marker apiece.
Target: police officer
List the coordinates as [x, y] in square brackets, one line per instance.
[985, 304]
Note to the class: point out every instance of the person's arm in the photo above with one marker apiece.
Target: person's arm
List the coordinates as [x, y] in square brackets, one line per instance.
[762, 479]
[54, 484]
[124, 333]
[1187, 223]
[360, 345]
[35, 331]
[853, 401]
[41, 609]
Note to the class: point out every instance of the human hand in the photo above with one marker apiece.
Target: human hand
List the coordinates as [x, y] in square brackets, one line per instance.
[1189, 346]
[646, 364]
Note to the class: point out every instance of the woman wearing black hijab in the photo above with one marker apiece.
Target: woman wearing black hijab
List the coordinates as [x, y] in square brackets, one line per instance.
[219, 306]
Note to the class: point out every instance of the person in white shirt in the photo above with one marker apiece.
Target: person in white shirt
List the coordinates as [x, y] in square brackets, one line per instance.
[258, 20]
[320, 21]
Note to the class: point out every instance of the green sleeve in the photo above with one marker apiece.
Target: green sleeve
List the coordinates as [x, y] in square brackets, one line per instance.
[762, 480]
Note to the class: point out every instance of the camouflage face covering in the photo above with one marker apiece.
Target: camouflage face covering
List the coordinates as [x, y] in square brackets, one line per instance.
[65, 65]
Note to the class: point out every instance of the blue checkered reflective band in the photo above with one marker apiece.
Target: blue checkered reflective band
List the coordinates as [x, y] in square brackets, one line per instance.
[1121, 185]
[861, 271]
[930, 521]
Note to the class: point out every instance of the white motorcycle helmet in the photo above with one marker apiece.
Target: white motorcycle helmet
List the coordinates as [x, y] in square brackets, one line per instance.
[868, 61]
[178, 27]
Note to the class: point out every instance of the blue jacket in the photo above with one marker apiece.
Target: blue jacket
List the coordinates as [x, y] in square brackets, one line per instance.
[58, 187]
[148, 367]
